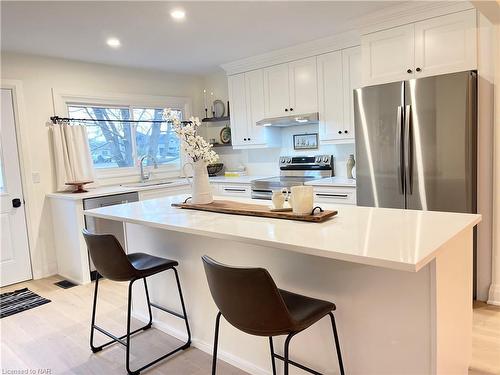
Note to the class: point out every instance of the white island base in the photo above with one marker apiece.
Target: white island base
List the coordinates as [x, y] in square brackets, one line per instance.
[391, 320]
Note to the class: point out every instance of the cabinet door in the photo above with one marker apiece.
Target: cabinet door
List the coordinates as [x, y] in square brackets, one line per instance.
[239, 119]
[388, 56]
[303, 86]
[254, 83]
[446, 44]
[276, 91]
[351, 77]
[330, 96]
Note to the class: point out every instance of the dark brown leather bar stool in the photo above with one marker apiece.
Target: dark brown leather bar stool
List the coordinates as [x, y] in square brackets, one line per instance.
[112, 263]
[249, 299]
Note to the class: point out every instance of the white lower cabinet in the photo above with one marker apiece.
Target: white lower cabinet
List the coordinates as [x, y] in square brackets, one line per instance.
[340, 195]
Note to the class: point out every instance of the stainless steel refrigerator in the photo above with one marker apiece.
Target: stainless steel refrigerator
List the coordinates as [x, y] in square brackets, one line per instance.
[416, 143]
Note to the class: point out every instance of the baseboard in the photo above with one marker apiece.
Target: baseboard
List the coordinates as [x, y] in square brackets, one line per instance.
[494, 295]
[205, 347]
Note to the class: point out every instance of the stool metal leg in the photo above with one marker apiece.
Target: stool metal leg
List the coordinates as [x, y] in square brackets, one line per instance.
[271, 346]
[337, 343]
[129, 333]
[92, 324]
[216, 342]
[149, 303]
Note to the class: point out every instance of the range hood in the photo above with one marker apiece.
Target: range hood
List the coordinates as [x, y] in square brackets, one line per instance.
[292, 120]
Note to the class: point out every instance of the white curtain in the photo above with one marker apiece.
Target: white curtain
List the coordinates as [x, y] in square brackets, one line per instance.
[72, 157]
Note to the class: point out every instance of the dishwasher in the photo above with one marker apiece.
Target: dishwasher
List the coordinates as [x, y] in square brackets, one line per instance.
[104, 226]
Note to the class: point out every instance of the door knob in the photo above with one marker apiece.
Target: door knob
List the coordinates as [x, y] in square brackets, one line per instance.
[291, 109]
[16, 202]
[409, 71]
[345, 131]
[286, 109]
[418, 70]
[340, 131]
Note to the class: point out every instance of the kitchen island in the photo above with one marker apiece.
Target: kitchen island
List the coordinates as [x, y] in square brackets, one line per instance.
[401, 280]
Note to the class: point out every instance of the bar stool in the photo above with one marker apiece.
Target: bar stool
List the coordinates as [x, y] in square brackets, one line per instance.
[250, 301]
[112, 263]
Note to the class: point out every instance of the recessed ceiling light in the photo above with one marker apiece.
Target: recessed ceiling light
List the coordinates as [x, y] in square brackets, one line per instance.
[113, 42]
[178, 14]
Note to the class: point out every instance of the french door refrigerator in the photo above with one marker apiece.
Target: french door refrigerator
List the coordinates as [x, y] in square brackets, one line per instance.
[416, 144]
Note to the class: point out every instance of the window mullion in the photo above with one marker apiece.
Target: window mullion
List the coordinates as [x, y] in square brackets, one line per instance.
[133, 128]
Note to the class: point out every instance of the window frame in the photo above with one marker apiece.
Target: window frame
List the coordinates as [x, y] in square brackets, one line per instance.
[63, 99]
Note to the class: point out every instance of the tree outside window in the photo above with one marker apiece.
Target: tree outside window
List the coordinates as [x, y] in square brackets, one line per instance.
[119, 144]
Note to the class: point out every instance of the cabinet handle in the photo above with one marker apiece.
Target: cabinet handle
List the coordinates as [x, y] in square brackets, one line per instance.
[286, 109]
[418, 70]
[340, 131]
[345, 131]
[409, 71]
[291, 109]
[238, 190]
[244, 139]
[248, 138]
[331, 195]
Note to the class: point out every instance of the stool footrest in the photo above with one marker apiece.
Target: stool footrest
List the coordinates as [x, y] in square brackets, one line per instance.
[115, 338]
[296, 364]
[167, 310]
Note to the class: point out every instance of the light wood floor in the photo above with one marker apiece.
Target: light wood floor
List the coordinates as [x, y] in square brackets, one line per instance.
[55, 336]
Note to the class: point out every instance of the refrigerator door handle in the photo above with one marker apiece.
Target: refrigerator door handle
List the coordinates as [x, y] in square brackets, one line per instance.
[400, 149]
[408, 148]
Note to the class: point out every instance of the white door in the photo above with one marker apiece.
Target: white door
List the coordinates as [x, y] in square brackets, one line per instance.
[239, 126]
[303, 86]
[351, 65]
[254, 84]
[389, 55]
[276, 91]
[15, 263]
[331, 96]
[445, 44]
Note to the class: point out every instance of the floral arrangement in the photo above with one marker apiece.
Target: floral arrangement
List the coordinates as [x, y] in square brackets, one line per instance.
[193, 145]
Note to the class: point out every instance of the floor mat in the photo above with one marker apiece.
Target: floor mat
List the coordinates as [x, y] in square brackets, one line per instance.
[20, 300]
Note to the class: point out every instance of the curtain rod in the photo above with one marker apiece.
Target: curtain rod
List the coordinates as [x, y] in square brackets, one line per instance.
[56, 119]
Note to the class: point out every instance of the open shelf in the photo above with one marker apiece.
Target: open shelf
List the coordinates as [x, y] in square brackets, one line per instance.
[221, 144]
[216, 119]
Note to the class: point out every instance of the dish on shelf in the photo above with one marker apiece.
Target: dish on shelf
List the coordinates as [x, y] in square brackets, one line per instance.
[225, 134]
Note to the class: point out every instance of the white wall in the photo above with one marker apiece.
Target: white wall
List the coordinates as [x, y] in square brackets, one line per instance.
[265, 161]
[39, 75]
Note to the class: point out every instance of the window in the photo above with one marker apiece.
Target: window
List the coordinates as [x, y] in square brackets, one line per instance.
[120, 144]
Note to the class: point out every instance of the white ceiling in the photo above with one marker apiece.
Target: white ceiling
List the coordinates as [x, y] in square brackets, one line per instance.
[212, 33]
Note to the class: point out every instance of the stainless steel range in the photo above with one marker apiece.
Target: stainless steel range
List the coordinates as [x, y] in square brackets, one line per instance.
[294, 170]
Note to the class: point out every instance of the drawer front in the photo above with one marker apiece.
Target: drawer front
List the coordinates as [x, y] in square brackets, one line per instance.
[235, 190]
[335, 195]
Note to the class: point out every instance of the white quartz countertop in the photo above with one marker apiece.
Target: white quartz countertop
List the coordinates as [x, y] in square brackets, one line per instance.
[236, 180]
[334, 182]
[392, 238]
[114, 189]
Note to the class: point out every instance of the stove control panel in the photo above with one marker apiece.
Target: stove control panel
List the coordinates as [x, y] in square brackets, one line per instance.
[306, 160]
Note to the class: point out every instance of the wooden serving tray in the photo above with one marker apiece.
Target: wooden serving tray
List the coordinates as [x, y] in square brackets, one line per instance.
[248, 209]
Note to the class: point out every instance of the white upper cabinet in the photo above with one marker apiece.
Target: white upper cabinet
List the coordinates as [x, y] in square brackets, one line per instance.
[246, 95]
[276, 90]
[330, 96]
[237, 98]
[445, 44]
[291, 88]
[351, 75]
[438, 45]
[254, 85]
[338, 75]
[303, 86]
[388, 55]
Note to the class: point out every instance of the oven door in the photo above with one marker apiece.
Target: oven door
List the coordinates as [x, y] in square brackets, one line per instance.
[262, 194]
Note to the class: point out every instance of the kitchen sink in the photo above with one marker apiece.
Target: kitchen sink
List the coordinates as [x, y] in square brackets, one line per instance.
[148, 183]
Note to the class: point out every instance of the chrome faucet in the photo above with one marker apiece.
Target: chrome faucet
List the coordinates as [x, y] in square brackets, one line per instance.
[145, 177]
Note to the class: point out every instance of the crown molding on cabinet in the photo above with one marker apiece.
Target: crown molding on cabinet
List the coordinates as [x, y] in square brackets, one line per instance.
[396, 15]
